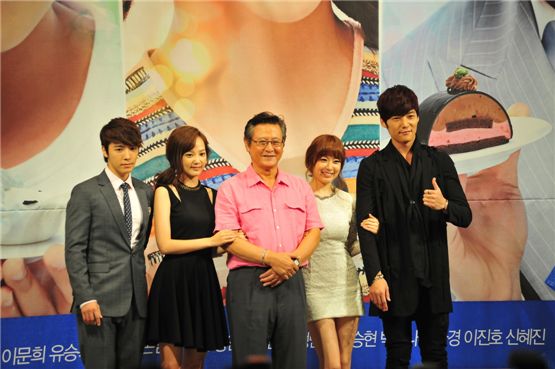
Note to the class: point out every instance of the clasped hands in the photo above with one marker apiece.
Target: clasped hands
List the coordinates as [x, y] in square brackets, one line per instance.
[282, 267]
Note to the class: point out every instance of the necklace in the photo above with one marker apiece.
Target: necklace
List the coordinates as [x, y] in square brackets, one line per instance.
[323, 197]
[189, 188]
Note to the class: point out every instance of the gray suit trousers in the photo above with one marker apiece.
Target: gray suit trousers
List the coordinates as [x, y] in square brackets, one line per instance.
[117, 343]
[260, 315]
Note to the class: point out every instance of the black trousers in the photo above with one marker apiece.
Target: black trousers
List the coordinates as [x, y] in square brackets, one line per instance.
[432, 336]
[260, 315]
[118, 343]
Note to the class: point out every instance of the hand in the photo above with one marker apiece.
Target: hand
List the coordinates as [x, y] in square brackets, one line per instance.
[485, 258]
[91, 314]
[434, 198]
[242, 235]
[38, 287]
[379, 294]
[371, 224]
[281, 263]
[223, 237]
[153, 262]
[270, 278]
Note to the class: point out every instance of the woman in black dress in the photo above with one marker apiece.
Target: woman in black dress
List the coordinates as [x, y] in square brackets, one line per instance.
[186, 314]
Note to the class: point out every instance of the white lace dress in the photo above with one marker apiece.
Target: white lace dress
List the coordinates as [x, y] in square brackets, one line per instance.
[331, 279]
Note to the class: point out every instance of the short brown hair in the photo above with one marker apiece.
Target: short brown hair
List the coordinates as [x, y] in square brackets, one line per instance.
[325, 145]
[120, 131]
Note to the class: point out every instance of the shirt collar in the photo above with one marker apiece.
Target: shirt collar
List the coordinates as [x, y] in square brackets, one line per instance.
[416, 146]
[116, 181]
[393, 152]
[253, 178]
[544, 14]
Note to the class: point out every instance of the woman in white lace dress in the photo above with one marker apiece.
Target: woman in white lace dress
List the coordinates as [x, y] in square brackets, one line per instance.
[332, 289]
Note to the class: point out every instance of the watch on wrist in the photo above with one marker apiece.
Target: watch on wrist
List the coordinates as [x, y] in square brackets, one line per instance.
[297, 262]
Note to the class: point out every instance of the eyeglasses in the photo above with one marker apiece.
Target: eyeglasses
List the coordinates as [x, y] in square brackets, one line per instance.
[263, 143]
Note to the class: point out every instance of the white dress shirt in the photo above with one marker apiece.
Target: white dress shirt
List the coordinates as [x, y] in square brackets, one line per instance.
[136, 210]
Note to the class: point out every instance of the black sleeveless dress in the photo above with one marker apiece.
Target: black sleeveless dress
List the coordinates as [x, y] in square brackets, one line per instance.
[185, 305]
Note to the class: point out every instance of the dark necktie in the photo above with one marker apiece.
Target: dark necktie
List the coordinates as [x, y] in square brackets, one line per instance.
[548, 42]
[127, 209]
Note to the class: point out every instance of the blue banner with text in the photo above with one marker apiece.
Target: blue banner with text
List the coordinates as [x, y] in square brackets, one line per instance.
[481, 335]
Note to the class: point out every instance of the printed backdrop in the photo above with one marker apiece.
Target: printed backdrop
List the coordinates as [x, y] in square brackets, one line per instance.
[68, 67]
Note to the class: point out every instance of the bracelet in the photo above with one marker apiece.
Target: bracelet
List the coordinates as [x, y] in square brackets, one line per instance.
[264, 256]
[445, 206]
[379, 276]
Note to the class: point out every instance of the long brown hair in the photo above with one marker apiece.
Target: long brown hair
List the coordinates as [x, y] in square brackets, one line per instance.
[326, 145]
[181, 140]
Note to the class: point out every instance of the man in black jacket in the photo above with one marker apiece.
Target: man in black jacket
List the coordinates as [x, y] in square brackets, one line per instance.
[413, 190]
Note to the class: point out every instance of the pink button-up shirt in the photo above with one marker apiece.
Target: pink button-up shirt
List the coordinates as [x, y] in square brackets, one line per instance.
[275, 219]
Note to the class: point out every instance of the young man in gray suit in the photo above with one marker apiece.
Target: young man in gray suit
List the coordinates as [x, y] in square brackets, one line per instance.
[107, 228]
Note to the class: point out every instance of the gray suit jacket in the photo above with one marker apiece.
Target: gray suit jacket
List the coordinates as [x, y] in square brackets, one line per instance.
[100, 261]
[500, 39]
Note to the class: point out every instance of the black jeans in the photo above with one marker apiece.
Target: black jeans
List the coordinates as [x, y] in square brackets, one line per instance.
[432, 336]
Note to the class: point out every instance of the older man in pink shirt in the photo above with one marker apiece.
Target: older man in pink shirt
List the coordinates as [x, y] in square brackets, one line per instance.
[278, 214]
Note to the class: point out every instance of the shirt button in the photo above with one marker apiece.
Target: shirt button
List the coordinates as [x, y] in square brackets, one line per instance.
[412, 202]
[277, 227]
[275, 210]
[280, 245]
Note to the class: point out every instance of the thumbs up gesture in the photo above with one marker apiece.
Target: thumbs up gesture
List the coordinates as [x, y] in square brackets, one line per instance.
[434, 198]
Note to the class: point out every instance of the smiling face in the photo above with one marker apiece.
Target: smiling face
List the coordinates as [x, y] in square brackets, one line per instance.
[402, 128]
[193, 161]
[121, 158]
[265, 157]
[326, 169]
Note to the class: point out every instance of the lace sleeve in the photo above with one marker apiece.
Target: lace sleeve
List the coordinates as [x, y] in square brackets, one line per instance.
[353, 246]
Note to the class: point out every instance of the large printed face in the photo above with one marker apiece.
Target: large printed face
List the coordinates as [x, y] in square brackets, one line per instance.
[193, 161]
[402, 128]
[326, 169]
[265, 157]
[284, 11]
[121, 159]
